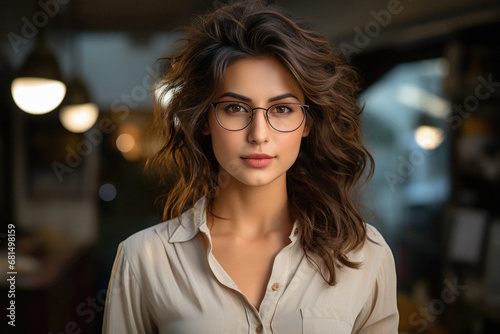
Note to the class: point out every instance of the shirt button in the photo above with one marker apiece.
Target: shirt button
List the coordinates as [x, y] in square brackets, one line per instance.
[259, 329]
[295, 232]
[276, 286]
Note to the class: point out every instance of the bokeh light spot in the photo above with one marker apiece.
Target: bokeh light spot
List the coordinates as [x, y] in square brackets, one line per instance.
[107, 192]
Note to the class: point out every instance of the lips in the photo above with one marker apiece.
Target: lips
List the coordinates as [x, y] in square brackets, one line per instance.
[258, 160]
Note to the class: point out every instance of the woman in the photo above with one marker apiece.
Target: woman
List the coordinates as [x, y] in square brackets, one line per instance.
[262, 233]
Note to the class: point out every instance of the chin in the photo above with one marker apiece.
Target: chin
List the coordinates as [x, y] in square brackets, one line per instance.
[259, 181]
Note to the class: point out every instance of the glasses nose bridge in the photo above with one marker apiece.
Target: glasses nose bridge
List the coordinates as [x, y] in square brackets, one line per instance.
[265, 113]
[259, 108]
[266, 117]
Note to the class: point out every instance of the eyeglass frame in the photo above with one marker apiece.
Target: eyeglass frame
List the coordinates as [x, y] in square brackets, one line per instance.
[304, 108]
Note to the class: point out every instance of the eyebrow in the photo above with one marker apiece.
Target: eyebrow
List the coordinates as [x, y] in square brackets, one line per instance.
[247, 99]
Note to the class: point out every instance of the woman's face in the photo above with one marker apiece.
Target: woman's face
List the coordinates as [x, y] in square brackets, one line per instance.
[257, 155]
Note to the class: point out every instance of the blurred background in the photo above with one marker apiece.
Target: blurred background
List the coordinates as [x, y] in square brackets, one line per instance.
[72, 156]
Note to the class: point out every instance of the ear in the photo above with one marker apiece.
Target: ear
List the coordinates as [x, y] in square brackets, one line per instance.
[205, 129]
[307, 128]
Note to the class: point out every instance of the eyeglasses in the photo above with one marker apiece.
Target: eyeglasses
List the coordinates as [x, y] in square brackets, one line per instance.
[282, 117]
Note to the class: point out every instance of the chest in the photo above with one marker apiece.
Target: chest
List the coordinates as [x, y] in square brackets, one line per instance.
[248, 264]
[302, 305]
[199, 298]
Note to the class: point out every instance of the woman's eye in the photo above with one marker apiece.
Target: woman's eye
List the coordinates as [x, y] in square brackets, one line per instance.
[283, 109]
[235, 108]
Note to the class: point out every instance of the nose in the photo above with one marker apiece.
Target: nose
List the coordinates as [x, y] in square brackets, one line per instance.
[258, 130]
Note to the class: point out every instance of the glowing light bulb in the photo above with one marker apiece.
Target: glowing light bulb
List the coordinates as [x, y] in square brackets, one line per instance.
[79, 117]
[429, 137]
[37, 95]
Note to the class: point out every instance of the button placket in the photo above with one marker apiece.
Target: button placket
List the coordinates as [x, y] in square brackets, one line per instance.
[276, 285]
[278, 281]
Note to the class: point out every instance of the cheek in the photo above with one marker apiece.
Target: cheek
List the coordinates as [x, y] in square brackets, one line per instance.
[226, 150]
[220, 144]
[296, 139]
[291, 145]
[223, 143]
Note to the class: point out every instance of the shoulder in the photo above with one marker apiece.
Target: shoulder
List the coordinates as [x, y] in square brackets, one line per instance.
[145, 255]
[378, 307]
[376, 276]
[375, 238]
[375, 254]
[144, 239]
[145, 247]
[138, 248]
[375, 241]
[157, 243]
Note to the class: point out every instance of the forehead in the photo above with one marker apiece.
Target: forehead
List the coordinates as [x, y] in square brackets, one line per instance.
[258, 78]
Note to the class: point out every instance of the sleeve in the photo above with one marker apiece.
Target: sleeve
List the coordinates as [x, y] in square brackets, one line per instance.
[380, 313]
[125, 309]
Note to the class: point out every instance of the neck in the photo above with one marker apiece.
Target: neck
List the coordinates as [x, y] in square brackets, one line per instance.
[252, 211]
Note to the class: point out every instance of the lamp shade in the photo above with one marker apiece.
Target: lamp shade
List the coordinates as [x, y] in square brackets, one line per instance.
[38, 88]
[78, 114]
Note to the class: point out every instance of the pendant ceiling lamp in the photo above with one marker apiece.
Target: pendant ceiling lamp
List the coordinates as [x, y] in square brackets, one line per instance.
[78, 114]
[38, 88]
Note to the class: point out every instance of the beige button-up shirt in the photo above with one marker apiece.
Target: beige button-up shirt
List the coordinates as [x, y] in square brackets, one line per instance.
[166, 280]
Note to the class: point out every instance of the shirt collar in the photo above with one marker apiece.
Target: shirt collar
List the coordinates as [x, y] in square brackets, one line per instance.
[192, 221]
[188, 224]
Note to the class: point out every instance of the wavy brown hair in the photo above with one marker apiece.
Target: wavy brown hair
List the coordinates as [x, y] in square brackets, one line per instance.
[322, 187]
